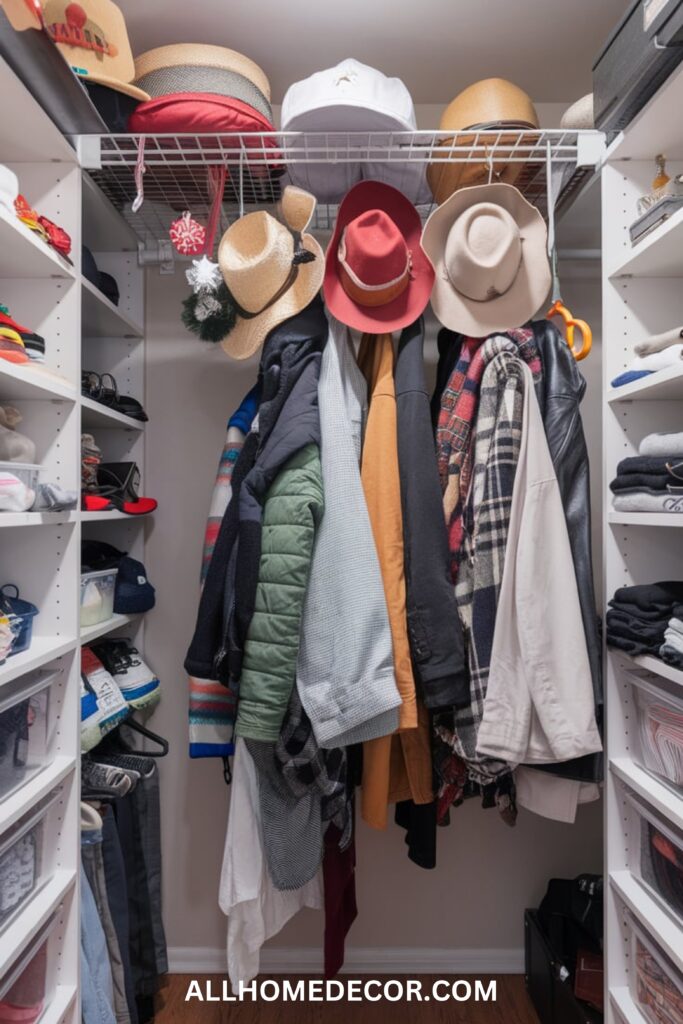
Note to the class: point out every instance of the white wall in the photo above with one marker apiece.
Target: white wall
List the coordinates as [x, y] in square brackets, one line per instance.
[487, 873]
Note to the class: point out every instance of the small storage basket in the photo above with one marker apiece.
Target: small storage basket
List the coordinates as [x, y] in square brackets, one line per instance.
[27, 472]
[656, 855]
[27, 724]
[97, 596]
[658, 745]
[26, 861]
[656, 984]
[21, 615]
[28, 986]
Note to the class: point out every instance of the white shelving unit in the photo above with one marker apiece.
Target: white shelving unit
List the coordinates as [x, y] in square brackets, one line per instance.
[641, 296]
[40, 552]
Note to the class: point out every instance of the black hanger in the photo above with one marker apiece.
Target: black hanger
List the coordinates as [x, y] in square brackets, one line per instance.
[130, 723]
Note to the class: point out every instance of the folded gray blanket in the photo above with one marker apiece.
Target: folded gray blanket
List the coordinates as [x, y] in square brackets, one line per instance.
[662, 445]
[642, 501]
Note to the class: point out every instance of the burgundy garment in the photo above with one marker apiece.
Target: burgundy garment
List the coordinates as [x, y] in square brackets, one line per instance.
[23, 1004]
[339, 882]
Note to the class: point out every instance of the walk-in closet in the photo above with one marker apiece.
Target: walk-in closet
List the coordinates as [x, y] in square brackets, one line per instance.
[341, 466]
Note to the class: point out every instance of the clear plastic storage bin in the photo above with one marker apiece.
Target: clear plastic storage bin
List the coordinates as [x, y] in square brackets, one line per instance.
[27, 728]
[97, 596]
[27, 472]
[658, 745]
[28, 986]
[655, 855]
[26, 858]
[656, 984]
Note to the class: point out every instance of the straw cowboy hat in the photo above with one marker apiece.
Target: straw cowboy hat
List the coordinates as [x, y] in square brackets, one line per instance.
[487, 245]
[93, 39]
[377, 278]
[488, 105]
[272, 270]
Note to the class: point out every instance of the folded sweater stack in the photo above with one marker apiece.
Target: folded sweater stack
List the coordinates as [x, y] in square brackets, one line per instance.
[639, 618]
[651, 481]
[671, 650]
[658, 352]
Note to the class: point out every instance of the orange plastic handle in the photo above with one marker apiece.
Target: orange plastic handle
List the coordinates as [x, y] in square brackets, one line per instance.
[571, 323]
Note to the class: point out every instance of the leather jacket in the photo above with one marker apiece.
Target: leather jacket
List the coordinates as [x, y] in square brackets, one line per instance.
[559, 393]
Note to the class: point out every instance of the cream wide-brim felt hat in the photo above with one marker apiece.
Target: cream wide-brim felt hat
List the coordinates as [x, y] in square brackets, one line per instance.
[255, 259]
[487, 245]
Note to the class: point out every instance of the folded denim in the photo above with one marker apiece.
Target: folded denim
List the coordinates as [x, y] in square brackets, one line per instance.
[641, 481]
[629, 376]
[641, 501]
[662, 595]
[667, 464]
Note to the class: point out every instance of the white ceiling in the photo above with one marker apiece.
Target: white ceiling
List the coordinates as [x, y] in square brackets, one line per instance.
[436, 46]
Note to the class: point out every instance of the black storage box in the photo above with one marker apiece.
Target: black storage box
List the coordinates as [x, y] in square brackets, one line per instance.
[638, 57]
[547, 981]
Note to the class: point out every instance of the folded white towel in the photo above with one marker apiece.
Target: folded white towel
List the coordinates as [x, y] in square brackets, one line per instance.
[658, 360]
[658, 342]
[662, 445]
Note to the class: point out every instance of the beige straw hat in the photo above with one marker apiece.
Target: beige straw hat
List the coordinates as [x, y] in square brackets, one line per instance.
[201, 55]
[487, 245]
[93, 39]
[489, 105]
[272, 270]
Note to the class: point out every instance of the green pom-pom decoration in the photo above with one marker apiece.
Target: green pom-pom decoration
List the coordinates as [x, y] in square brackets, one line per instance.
[211, 317]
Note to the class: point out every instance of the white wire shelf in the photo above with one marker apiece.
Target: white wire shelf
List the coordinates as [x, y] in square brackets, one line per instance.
[176, 166]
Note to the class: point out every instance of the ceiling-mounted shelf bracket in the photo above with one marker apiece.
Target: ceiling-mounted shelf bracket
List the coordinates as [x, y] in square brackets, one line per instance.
[159, 253]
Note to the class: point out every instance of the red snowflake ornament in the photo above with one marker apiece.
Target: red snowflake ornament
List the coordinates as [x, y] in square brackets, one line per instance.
[188, 237]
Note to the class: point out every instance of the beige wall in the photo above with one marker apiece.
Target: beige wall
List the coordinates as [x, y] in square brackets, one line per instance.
[487, 873]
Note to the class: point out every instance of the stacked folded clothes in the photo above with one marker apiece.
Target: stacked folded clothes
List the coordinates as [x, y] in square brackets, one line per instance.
[671, 650]
[639, 617]
[651, 481]
[656, 353]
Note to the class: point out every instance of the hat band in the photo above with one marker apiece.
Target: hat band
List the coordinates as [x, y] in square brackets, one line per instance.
[301, 255]
[196, 78]
[371, 294]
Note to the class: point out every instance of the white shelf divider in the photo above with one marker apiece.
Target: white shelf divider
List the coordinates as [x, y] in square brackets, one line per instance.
[662, 386]
[102, 319]
[18, 802]
[660, 925]
[94, 415]
[90, 633]
[43, 650]
[622, 1001]
[20, 932]
[658, 254]
[654, 792]
[24, 382]
[659, 667]
[645, 518]
[37, 518]
[24, 254]
[60, 1006]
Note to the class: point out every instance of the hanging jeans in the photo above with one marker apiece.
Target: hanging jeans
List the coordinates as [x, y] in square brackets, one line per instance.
[93, 865]
[117, 893]
[97, 989]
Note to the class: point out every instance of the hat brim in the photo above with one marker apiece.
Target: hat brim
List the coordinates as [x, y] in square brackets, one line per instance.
[115, 83]
[531, 285]
[247, 336]
[407, 307]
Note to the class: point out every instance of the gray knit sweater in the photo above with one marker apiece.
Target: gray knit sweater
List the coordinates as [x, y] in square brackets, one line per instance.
[345, 670]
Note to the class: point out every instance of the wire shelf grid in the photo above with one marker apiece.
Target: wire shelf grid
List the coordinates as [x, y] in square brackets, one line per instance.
[260, 164]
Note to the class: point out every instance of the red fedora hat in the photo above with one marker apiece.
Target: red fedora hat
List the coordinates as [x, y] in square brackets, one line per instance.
[377, 277]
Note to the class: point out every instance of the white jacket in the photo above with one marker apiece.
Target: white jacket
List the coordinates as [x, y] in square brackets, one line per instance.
[345, 670]
[256, 909]
[539, 704]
